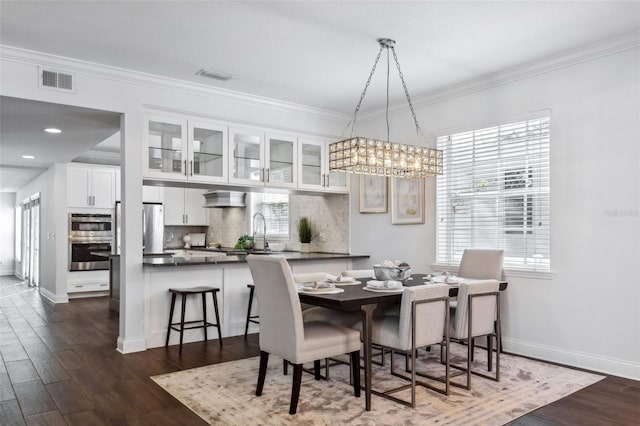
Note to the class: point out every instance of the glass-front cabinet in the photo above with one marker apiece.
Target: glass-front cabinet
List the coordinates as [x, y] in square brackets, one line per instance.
[180, 149]
[247, 156]
[258, 159]
[313, 168]
[177, 149]
[208, 152]
[281, 153]
[166, 155]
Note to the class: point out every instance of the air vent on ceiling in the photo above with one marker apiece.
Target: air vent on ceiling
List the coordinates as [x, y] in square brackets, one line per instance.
[56, 80]
[214, 74]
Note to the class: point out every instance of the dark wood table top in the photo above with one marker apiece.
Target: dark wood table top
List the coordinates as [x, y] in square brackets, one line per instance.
[354, 296]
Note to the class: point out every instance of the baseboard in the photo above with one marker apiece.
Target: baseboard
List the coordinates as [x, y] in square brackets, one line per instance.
[601, 364]
[55, 298]
[127, 346]
[7, 272]
[88, 294]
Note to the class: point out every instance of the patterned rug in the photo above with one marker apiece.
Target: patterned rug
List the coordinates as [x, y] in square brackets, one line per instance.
[224, 394]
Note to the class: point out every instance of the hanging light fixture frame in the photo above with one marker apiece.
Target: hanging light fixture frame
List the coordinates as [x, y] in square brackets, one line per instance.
[370, 156]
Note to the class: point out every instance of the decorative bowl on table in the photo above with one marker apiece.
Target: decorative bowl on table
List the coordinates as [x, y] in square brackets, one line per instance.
[396, 273]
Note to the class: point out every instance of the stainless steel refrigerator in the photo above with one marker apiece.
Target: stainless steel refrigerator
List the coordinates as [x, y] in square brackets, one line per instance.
[152, 228]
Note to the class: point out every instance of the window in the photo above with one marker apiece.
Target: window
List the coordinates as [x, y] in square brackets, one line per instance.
[495, 194]
[275, 209]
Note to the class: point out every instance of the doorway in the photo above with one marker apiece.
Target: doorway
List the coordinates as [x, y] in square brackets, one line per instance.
[31, 239]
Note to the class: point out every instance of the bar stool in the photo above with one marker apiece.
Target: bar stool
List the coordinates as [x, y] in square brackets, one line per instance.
[250, 318]
[203, 323]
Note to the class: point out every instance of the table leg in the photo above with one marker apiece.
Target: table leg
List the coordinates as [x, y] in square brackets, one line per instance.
[367, 313]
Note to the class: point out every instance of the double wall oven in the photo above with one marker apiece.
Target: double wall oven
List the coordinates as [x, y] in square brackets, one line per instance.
[88, 234]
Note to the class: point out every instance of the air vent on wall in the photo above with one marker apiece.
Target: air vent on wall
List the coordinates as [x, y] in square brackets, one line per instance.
[56, 80]
[214, 74]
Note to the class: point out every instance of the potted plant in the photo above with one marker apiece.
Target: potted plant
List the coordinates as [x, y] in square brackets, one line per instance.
[306, 233]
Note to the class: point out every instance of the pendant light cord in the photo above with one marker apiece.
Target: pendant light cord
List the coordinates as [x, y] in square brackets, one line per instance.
[387, 108]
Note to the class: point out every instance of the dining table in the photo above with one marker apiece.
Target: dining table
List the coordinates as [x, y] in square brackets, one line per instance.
[356, 298]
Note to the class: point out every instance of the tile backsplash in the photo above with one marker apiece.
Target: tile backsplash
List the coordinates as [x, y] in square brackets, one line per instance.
[329, 213]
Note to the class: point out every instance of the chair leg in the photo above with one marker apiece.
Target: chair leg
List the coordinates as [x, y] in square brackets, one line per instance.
[215, 308]
[469, 360]
[184, 308]
[316, 369]
[285, 367]
[246, 327]
[355, 372]
[295, 391]
[489, 353]
[264, 360]
[173, 304]
[204, 314]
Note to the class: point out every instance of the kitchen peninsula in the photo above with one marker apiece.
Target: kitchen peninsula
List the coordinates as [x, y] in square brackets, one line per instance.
[230, 273]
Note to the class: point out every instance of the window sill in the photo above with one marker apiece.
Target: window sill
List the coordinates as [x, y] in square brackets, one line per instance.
[508, 273]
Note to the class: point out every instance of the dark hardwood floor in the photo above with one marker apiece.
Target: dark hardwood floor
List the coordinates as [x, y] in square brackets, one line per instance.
[60, 367]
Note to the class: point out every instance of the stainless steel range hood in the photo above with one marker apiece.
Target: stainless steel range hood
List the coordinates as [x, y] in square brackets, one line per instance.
[222, 198]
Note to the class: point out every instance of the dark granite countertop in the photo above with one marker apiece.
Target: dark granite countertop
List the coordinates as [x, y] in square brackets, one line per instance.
[291, 256]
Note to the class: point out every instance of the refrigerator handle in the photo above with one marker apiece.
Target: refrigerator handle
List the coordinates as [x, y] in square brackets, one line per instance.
[144, 229]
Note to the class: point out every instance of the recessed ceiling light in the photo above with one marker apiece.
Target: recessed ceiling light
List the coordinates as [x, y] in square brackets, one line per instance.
[28, 157]
[52, 130]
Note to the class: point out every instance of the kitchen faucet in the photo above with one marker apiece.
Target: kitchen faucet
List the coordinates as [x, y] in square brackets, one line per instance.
[264, 231]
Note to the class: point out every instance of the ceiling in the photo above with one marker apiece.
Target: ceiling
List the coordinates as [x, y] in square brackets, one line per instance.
[315, 53]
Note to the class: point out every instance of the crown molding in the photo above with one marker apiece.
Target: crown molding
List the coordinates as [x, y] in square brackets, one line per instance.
[566, 59]
[104, 71]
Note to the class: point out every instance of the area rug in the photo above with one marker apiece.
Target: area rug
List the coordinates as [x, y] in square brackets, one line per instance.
[224, 394]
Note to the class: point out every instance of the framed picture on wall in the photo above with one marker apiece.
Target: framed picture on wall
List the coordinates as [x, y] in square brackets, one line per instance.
[373, 194]
[407, 201]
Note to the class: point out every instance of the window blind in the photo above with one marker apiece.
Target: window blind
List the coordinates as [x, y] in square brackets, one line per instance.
[275, 209]
[495, 194]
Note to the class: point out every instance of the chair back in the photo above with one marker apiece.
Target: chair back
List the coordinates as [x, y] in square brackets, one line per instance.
[481, 264]
[281, 327]
[483, 294]
[430, 317]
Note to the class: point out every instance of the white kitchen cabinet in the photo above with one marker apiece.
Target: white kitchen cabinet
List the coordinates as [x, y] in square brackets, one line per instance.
[183, 206]
[260, 159]
[313, 168]
[184, 150]
[91, 186]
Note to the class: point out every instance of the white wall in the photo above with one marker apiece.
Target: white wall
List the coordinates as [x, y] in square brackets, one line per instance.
[587, 314]
[7, 232]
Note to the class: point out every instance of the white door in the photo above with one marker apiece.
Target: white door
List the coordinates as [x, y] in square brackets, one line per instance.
[310, 164]
[166, 148]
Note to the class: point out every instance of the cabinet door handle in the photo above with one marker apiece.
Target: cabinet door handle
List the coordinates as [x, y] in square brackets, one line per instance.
[88, 200]
[267, 178]
[93, 200]
[261, 175]
[185, 167]
[186, 218]
[191, 167]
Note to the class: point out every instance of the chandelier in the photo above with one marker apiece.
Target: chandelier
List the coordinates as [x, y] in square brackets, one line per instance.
[369, 156]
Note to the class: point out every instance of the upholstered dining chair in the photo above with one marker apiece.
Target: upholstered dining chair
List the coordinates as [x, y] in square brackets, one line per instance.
[423, 321]
[284, 333]
[477, 315]
[480, 264]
